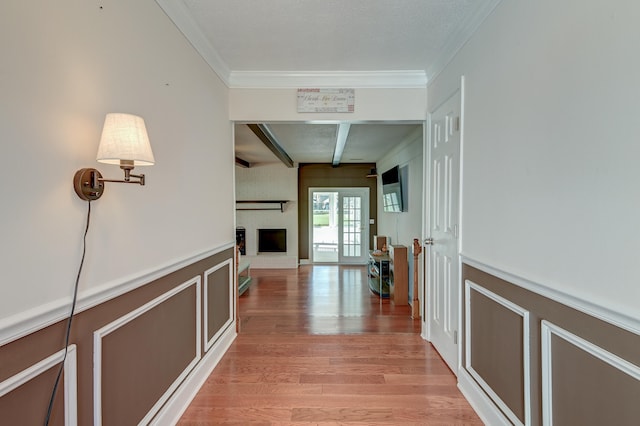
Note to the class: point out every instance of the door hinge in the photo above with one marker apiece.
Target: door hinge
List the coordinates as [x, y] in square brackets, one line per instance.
[455, 337]
[455, 231]
[457, 124]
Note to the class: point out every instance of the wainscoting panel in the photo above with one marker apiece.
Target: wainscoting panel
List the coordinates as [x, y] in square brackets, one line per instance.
[146, 344]
[19, 392]
[162, 344]
[578, 378]
[218, 301]
[582, 369]
[494, 322]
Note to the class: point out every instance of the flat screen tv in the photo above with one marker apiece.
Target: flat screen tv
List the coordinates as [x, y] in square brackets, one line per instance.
[272, 240]
[392, 191]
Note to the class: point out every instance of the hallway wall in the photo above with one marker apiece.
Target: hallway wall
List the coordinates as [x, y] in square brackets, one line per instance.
[550, 147]
[65, 65]
[405, 226]
[549, 231]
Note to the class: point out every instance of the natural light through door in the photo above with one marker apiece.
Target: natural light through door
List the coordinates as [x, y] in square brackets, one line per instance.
[340, 225]
[351, 226]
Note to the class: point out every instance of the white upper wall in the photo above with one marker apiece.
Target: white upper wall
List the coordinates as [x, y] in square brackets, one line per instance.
[257, 105]
[65, 65]
[551, 143]
[269, 182]
[404, 227]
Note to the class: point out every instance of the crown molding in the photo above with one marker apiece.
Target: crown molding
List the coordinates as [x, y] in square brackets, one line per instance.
[354, 79]
[181, 17]
[457, 40]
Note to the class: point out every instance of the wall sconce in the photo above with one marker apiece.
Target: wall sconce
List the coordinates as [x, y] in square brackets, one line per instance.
[124, 142]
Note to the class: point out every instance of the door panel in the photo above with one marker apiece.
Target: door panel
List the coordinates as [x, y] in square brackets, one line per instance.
[351, 225]
[353, 232]
[444, 152]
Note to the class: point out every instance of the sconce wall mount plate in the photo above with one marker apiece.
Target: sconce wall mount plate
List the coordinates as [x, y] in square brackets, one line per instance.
[88, 184]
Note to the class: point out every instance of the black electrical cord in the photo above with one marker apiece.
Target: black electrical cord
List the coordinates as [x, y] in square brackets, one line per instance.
[73, 308]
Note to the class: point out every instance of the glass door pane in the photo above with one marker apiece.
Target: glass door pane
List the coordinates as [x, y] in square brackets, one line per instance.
[351, 226]
[325, 227]
[354, 225]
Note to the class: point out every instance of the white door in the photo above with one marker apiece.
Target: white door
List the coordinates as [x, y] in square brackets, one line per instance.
[354, 225]
[339, 231]
[442, 243]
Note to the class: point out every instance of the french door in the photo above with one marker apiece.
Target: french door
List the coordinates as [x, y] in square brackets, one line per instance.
[339, 225]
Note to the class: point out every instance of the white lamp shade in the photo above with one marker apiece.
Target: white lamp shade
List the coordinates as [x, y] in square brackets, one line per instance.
[124, 137]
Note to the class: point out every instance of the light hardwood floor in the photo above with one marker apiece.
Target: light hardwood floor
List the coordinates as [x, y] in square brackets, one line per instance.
[317, 347]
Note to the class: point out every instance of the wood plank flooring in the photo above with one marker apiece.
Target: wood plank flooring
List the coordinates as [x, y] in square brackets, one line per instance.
[317, 347]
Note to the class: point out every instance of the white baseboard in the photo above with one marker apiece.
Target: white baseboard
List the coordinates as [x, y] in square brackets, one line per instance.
[479, 401]
[176, 405]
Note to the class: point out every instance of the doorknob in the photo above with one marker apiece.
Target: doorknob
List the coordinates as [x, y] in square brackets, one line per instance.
[428, 242]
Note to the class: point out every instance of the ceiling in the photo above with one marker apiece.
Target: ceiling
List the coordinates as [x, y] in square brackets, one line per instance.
[312, 43]
[315, 143]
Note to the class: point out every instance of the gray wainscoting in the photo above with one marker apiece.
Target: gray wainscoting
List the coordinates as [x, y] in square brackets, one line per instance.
[542, 362]
[130, 354]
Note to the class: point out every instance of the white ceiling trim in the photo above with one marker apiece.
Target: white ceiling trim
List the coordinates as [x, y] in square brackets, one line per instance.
[352, 79]
[460, 38]
[177, 11]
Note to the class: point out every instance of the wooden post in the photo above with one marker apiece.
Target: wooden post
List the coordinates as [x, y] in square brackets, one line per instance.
[415, 303]
[235, 288]
[400, 283]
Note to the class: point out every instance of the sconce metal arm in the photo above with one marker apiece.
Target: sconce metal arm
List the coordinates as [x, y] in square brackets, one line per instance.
[127, 166]
[125, 180]
[89, 183]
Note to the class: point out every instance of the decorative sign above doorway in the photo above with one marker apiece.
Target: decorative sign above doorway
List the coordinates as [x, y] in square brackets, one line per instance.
[326, 100]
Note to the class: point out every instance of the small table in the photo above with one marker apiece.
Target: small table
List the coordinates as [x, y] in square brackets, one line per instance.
[244, 275]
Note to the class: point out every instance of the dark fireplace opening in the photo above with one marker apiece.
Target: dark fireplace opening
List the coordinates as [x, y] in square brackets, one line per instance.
[272, 240]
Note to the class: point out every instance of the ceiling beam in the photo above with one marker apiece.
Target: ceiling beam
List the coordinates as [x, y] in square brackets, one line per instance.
[242, 163]
[341, 141]
[267, 137]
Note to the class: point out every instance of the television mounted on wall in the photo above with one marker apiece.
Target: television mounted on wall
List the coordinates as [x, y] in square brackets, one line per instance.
[392, 200]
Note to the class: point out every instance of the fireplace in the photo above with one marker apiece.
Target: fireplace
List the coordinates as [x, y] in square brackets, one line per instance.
[272, 240]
